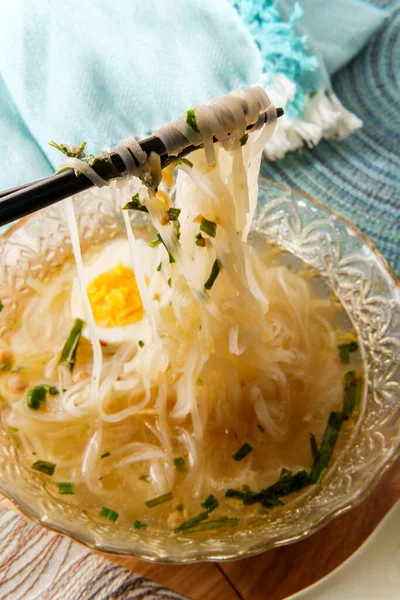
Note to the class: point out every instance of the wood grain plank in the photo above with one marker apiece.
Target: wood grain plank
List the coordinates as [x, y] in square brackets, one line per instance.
[279, 573]
[203, 581]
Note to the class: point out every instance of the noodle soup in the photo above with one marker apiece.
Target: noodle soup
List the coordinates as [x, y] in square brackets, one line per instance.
[189, 376]
[125, 462]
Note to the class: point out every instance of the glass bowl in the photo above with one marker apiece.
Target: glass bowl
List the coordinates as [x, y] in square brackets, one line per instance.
[368, 289]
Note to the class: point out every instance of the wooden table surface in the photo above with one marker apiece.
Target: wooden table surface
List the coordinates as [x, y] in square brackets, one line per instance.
[273, 575]
[276, 574]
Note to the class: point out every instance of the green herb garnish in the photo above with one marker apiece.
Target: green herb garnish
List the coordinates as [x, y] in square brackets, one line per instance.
[108, 514]
[215, 270]
[135, 204]
[173, 214]
[345, 350]
[288, 483]
[180, 463]
[159, 267]
[180, 507]
[191, 120]
[242, 452]
[210, 503]
[145, 478]
[36, 396]
[314, 446]
[285, 473]
[208, 227]
[192, 522]
[68, 354]
[71, 151]
[140, 525]
[1, 306]
[105, 454]
[44, 467]
[326, 448]
[159, 500]
[243, 140]
[66, 488]
[141, 343]
[184, 161]
[200, 241]
[209, 525]
[169, 281]
[156, 242]
[159, 241]
[351, 394]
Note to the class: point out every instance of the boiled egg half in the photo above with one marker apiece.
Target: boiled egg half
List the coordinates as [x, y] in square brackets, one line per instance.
[114, 295]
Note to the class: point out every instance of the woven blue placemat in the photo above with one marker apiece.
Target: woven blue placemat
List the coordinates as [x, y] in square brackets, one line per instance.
[360, 176]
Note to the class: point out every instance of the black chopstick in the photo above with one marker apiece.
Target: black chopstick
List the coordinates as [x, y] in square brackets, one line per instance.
[23, 200]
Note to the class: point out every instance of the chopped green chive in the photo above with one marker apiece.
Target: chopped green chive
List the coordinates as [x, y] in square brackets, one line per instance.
[351, 394]
[210, 525]
[200, 241]
[208, 227]
[36, 396]
[44, 467]
[159, 500]
[159, 241]
[159, 267]
[326, 448]
[184, 161]
[288, 483]
[192, 522]
[145, 478]
[215, 270]
[108, 514]
[191, 120]
[1, 306]
[53, 391]
[243, 140]
[105, 454]
[285, 473]
[242, 452]
[169, 281]
[210, 503]
[68, 354]
[135, 204]
[345, 351]
[314, 446]
[156, 242]
[173, 214]
[140, 525]
[180, 507]
[140, 343]
[66, 488]
[180, 463]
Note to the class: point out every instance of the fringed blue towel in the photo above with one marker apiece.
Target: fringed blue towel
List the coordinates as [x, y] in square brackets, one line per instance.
[100, 71]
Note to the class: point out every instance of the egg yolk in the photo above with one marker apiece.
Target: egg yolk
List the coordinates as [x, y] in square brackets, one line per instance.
[114, 298]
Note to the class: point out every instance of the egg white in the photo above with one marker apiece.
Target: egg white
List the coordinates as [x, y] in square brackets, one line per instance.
[115, 253]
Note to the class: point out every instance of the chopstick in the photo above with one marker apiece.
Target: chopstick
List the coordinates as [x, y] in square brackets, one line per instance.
[28, 198]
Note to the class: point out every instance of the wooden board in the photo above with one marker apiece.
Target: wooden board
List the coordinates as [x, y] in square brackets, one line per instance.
[35, 563]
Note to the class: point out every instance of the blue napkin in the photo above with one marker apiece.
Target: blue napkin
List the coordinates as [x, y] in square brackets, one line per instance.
[100, 71]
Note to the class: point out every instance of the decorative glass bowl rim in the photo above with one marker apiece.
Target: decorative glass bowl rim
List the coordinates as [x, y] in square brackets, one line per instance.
[343, 507]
